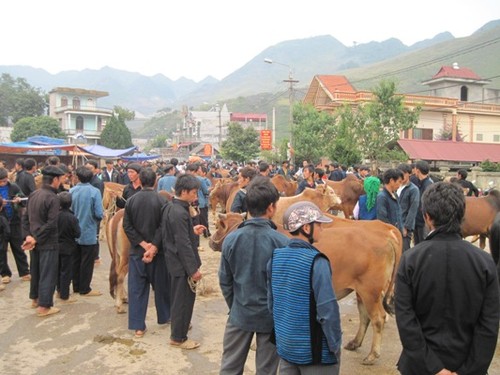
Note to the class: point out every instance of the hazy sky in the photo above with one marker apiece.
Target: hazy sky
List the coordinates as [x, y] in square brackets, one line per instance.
[197, 38]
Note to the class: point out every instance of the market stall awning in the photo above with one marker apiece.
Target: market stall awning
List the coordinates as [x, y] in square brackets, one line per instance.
[104, 152]
[29, 147]
[450, 151]
[140, 157]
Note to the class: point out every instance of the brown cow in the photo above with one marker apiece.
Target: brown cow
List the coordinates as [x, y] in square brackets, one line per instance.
[323, 196]
[364, 256]
[349, 190]
[285, 188]
[220, 194]
[119, 247]
[479, 215]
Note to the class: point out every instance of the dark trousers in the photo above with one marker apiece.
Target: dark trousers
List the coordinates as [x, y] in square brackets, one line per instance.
[140, 276]
[65, 275]
[204, 220]
[420, 233]
[181, 307]
[44, 265]
[20, 256]
[83, 268]
[407, 241]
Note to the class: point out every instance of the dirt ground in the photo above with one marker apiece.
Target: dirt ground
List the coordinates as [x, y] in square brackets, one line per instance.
[89, 337]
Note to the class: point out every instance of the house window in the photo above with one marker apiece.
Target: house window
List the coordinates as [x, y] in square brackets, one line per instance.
[479, 137]
[464, 93]
[419, 133]
[496, 137]
[99, 123]
[79, 124]
[76, 103]
[64, 101]
[90, 103]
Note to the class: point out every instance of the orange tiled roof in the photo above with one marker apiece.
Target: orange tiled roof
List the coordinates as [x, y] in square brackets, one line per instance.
[336, 83]
[451, 72]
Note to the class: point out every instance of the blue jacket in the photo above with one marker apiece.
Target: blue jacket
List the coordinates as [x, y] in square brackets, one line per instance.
[167, 183]
[364, 213]
[409, 200]
[424, 184]
[243, 276]
[87, 206]
[388, 209]
[203, 191]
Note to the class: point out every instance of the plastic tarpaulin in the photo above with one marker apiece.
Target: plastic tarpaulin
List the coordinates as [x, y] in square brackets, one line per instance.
[105, 152]
[140, 157]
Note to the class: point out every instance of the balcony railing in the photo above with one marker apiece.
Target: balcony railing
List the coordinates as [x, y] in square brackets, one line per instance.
[70, 108]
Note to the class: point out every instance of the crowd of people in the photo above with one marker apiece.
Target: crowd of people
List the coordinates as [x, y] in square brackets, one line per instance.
[277, 288]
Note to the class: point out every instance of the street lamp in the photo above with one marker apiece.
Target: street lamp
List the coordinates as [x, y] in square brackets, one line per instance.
[290, 81]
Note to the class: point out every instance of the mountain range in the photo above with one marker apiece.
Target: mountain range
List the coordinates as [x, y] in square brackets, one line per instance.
[363, 64]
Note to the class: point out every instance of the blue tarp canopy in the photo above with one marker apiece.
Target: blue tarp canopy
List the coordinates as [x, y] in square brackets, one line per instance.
[105, 152]
[140, 157]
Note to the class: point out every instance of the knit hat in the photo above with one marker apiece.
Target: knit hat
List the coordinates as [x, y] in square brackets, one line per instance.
[372, 188]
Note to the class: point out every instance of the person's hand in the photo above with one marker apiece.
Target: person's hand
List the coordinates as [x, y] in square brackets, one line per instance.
[196, 276]
[28, 244]
[405, 232]
[16, 200]
[199, 229]
[445, 372]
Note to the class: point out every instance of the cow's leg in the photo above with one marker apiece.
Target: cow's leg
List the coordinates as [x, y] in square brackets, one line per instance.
[120, 288]
[375, 310]
[364, 321]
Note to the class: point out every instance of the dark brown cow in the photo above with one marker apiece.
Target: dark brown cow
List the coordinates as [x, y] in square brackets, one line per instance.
[349, 190]
[364, 256]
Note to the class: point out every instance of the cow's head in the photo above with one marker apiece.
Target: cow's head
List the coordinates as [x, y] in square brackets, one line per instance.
[225, 224]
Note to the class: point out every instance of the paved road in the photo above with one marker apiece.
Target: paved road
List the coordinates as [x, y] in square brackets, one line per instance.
[89, 337]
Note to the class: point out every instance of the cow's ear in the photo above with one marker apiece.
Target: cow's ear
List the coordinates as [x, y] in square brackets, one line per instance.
[222, 216]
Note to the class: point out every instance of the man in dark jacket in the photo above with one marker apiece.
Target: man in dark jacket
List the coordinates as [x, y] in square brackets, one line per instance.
[447, 295]
[422, 170]
[408, 198]
[12, 196]
[466, 184]
[110, 174]
[24, 177]
[388, 209]
[243, 281]
[40, 227]
[182, 258]
[141, 222]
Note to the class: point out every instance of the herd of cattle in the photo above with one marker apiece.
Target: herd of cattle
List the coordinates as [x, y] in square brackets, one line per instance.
[364, 254]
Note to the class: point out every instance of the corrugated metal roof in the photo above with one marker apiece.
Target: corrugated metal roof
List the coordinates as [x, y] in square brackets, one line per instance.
[450, 151]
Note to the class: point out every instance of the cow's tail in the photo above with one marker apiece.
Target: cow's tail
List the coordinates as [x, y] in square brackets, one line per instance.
[396, 244]
[495, 239]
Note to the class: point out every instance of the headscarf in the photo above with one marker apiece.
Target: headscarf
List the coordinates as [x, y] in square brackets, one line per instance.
[372, 187]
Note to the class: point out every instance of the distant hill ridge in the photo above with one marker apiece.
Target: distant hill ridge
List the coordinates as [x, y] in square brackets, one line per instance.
[363, 64]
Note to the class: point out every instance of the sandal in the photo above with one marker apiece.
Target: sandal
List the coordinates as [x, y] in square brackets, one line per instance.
[188, 344]
[51, 311]
[139, 333]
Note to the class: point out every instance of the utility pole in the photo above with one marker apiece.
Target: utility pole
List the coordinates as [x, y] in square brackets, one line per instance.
[220, 125]
[291, 98]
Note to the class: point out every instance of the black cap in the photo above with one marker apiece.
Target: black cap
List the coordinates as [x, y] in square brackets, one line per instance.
[51, 170]
[135, 166]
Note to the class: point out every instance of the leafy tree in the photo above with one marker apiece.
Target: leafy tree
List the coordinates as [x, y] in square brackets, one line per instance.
[378, 123]
[116, 135]
[18, 100]
[242, 144]
[124, 113]
[313, 132]
[31, 126]
[344, 148]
